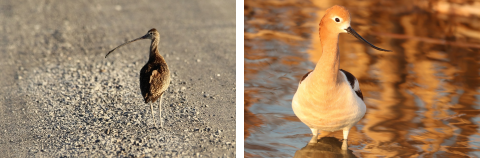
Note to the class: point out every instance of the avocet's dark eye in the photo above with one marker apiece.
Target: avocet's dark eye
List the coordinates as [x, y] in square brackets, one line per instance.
[337, 19]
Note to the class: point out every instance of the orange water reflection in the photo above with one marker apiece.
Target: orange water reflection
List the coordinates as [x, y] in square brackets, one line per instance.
[422, 98]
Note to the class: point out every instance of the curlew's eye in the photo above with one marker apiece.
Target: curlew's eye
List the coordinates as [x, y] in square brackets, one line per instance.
[337, 19]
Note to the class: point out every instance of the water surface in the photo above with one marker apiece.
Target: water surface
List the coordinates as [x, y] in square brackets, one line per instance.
[422, 99]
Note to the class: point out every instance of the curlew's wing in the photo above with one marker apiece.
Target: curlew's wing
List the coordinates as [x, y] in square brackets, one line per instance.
[154, 80]
[159, 81]
[145, 83]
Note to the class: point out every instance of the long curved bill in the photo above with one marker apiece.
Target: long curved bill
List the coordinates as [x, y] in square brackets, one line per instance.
[143, 37]
[352, 32]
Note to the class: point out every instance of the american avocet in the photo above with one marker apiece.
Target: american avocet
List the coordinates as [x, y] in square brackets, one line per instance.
[329, 98]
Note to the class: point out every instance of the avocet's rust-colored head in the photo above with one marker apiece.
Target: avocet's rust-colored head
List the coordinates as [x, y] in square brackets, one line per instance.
[151, 34]
[337, 20]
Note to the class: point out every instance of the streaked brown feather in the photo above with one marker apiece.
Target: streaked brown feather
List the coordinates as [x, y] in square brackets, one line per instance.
[154, 79]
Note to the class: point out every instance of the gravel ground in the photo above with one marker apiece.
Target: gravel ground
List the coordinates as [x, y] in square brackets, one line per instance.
[60, 97]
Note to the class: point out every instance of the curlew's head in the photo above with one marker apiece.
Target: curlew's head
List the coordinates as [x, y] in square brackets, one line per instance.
[337, 20]
[151, 34]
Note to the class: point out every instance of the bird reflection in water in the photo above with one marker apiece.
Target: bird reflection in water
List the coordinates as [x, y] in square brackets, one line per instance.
[326, 147]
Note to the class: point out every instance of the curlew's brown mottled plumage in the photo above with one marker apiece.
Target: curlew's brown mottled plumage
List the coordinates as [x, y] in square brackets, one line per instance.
[155, 75]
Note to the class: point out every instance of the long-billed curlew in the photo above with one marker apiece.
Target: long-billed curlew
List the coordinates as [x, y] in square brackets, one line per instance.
[329, 98]
[154, 76]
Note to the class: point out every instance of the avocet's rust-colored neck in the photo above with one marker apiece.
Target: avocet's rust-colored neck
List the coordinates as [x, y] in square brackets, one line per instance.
[327, 67]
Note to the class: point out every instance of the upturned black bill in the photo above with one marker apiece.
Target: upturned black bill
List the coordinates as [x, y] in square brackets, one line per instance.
[352, 32]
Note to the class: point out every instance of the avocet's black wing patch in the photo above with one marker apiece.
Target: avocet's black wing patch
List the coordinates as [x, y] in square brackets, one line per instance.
[359, 93]
[305, 76]
[353, 82]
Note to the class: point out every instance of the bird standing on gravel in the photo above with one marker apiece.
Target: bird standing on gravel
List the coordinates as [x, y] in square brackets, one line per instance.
[154, 76]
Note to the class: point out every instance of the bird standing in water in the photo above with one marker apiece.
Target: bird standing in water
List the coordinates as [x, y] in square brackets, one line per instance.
[329, 98]
[155, 75]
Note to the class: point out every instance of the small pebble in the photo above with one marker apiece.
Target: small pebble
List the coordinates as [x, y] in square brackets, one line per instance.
[118, 7]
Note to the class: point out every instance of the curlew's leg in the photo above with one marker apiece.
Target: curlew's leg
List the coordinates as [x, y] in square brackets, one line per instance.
[160, 107]
[315, 135]
[345, 136]
[153, 117]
